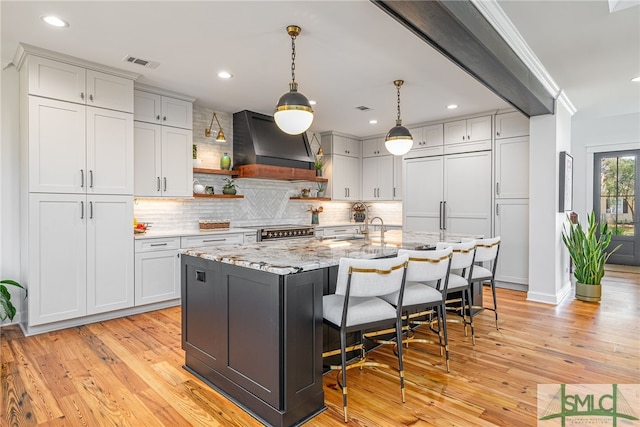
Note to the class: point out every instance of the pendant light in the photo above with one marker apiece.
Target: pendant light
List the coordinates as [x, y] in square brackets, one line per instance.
[293, 113]
[399, 140]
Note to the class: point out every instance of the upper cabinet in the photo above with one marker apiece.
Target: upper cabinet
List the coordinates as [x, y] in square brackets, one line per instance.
[343, 166]
[512, 124]
[343, 145]
[374, 147]
[427, 141]
[163, 110]
[59, 80]
[467, 135]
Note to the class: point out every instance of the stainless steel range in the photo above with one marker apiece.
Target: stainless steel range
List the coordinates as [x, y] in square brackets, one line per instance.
[288, 231]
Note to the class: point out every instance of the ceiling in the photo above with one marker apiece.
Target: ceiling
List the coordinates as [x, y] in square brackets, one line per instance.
[348, 54]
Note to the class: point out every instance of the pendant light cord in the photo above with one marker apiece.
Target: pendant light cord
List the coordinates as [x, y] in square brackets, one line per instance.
[293, 59]
[398, 120]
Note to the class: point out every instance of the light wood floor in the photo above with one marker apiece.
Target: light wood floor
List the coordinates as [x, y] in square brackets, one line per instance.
[128, 371]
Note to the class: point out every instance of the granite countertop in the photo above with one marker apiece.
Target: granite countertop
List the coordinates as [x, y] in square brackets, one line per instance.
[295, 255]
[150, 234]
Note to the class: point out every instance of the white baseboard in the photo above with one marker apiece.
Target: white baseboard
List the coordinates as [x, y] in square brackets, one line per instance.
[554, 299]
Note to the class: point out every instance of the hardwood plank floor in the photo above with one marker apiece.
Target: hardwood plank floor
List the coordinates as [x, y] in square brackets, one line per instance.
[128, 371]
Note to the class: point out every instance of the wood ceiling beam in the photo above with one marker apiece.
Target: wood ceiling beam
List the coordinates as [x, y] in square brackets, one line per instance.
[459, 31]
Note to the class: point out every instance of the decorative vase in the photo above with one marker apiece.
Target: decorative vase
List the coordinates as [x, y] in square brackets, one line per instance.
[314, 218]
[225, 162]
[319, 172]
[227, 190]
[589, 293]
[359, 216]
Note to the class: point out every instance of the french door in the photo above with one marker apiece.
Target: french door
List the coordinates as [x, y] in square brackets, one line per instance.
[616, 189]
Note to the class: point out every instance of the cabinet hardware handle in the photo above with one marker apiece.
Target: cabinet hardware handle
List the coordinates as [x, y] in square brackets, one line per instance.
[81, 209]
[463, 137]
[165, 183]
[158, 180]
[81, 178]
[158, 117]
[90, 210]
[444, 215]
[497, 188]
[497, 209]
[468, 138]
[90, 178]
[440, 215]
[158, 244]
[213, 240]
[164, 118]
[82, 95]
[340, 231]
[394, 192]
[91, 98]
[497, 133]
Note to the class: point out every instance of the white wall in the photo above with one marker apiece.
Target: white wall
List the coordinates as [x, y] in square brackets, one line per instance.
[9, 185]
[613, 133]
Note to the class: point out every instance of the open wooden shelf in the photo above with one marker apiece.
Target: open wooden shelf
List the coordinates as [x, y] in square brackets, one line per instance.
[219, 196]
[215, 171]
[328, 199]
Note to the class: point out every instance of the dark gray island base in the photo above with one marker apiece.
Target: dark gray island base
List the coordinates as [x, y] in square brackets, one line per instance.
[256, 337]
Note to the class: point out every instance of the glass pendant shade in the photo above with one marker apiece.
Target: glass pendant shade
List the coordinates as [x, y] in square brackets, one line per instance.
[293, 114]
[399, 140]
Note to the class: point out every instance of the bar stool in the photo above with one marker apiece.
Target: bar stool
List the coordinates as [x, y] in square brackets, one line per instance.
[461, 269]
[356, 307]
[420, 299]
[487, 251]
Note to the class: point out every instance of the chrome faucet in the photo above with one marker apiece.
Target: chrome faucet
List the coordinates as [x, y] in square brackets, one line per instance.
[382, 229]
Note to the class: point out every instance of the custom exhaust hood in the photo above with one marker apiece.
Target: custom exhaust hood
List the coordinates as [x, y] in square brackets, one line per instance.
[262, 150]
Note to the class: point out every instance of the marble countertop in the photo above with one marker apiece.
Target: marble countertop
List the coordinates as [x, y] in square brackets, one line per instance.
[295, 255]
[150, 234]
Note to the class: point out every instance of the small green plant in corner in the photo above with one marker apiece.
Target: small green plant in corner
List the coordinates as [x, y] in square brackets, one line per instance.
[318, 163]
[6, 307]
[195, 151]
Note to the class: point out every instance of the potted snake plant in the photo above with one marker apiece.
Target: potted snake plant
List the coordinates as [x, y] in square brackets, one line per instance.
[588, 252]
[6, 307]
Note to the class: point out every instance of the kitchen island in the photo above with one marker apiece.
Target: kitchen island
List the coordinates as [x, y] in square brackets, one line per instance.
[252, 317]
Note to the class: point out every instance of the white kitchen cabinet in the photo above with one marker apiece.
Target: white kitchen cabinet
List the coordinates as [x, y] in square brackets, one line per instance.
[377, 178]
[78, 149]
[338, 230]
[163, 110]
[512, 168]
[217, 239]
[343, 145]
[449, 193]
[512, 225]
[80, 255]
[157, 270]
[59, 80]
[467, 135]
[110, 276]
[374, 147]
[397, 177]
[427, 141]
[343, 166]
[512, 124]
[163, 161]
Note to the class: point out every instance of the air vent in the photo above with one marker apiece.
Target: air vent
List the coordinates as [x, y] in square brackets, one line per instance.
[139, 61]
[363, 108]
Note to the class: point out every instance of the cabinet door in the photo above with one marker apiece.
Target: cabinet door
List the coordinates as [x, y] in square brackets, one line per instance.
[108, 91]
[354, 147]
[177, 113]
[109, 253]
[467, 193]
[56, 146]
[177, 162]
[373, 147]
[353, 178]
[109, 151]
[370, 178]
[479, 129]
[57, 257]
[433, 135]
[147, 107]
[57, 80]
[157, 276]
[455, 132]
[513, 124]
[385, 177]
[346, 176]
[512, 225]
[512, 168]
[397, 177]
[422, 193]
[147, 163]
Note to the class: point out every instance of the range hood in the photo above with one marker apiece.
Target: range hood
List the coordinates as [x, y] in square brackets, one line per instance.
[262, 150]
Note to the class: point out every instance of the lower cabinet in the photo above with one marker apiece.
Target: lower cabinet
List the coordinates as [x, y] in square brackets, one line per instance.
[80, 255]
[157, 276]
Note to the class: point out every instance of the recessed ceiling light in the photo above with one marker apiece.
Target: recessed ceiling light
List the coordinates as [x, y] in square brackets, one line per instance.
[452, 106]
[373, 122]
[225, 75]
[312, 102]
[636, 79]
[55, 21]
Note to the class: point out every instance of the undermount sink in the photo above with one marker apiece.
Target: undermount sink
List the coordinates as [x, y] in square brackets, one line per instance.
[340, 237]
